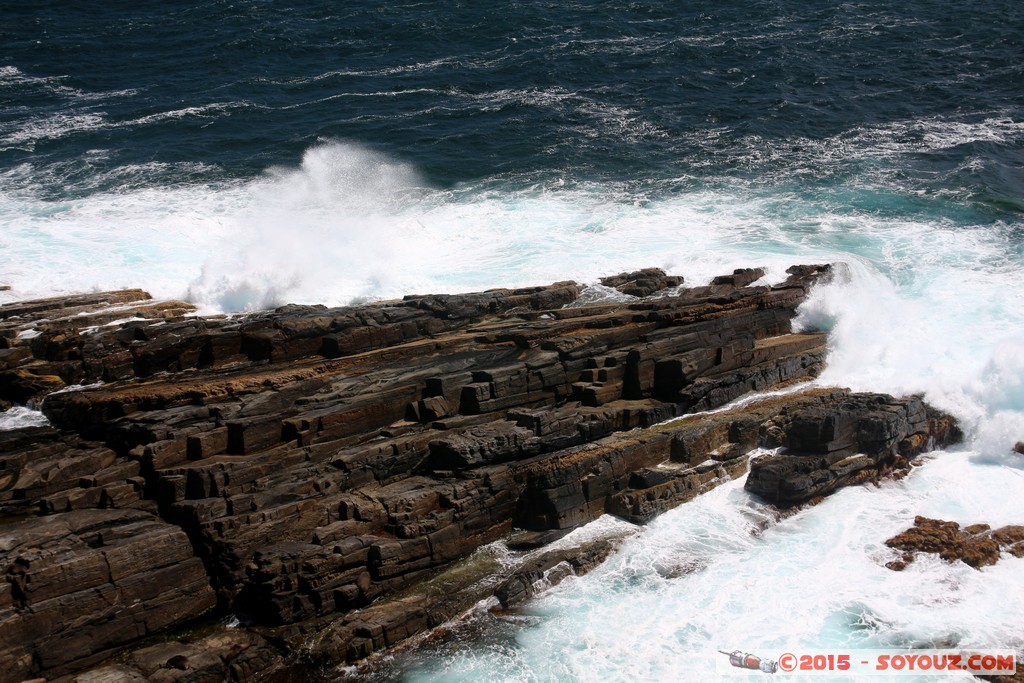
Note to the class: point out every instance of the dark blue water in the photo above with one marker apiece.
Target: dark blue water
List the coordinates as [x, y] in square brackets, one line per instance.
[642, 93]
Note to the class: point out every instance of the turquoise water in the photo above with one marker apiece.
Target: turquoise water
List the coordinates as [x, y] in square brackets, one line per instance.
[246, 154]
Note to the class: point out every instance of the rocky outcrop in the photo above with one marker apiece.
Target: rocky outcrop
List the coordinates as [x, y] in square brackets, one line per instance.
[977, 545]
[834, 445]
[644, 282]
[316, 471]
[44, 343]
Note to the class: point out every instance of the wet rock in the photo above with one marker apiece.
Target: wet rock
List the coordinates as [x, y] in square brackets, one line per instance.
[835, 444]
[642, 283]
[549, 569]
[25, 386]
[976, 545]
[1016, 677]
[741, 277]
[900, 564]
[1010, 539]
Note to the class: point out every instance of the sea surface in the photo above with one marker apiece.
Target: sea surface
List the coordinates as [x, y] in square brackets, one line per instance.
[243, 154]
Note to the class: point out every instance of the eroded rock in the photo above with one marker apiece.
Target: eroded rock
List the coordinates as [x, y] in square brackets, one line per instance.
[87, 581]
[834, 444]
[317, 470]
[976, 545]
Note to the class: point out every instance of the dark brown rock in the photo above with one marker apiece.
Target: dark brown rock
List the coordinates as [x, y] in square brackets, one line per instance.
[1010, 539]
[88, 581]
[1016, 677]
[976, 545]
[549, 568]
[900, 564]
[741, 277]
[320, 470]
[642, 283]
[835, 444]
[25, 386]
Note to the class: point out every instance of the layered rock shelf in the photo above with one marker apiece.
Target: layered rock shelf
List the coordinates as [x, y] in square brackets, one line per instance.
[331, 476]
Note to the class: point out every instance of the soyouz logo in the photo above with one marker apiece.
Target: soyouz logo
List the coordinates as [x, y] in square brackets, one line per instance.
[868, 662]
[744, 660]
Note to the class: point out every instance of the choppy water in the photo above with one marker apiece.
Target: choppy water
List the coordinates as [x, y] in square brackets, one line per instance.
[244, 154]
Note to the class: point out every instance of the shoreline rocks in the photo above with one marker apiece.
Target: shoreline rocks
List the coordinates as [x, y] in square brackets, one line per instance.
[321, 469]
[977, 545]
[826, 448]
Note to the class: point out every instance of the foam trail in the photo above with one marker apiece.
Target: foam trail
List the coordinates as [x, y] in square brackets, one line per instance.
[704, 578]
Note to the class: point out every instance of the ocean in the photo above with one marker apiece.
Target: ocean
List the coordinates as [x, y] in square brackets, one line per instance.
[243, 154]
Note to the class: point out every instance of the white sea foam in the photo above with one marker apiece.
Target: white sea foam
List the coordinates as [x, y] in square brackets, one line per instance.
[203, 111]
[415, 67]
[954, 334]
[892, 140]
[605, 116]
[80, 115]
[919, 305]
[50, 127]
[154, 238]
[12, 75]
[20, 417]
[705, 577]
[56, 125]
[351, 224]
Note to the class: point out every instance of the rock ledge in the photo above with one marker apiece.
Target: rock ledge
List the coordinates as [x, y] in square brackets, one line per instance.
[330, 475]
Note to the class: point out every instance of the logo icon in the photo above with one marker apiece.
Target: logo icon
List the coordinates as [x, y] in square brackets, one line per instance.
[745, 660]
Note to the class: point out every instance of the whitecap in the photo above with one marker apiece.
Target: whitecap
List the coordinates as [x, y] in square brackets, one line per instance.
[20, 417]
